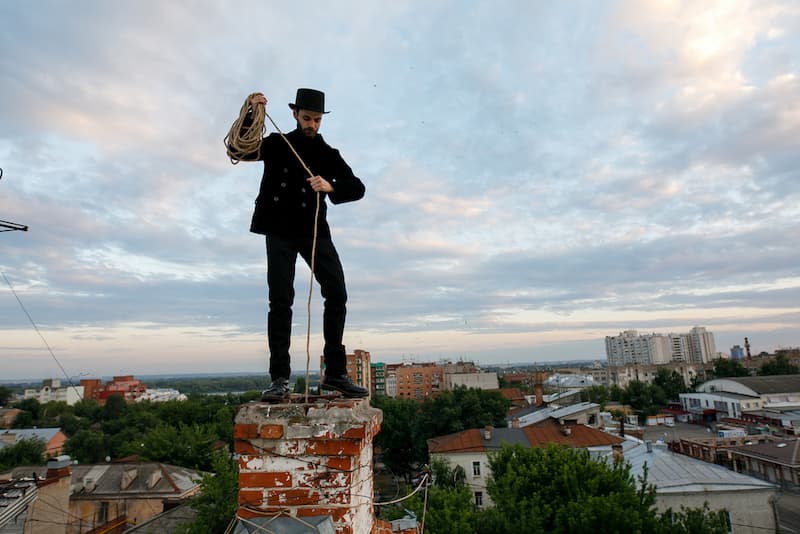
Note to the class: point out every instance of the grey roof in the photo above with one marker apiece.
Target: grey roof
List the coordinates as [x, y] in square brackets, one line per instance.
[148, 479]
[168, 521]
[784, 452]
[511, 436]
[15, 496]
[44, 434]
[677, 473]
[766, 385]
[573, 409]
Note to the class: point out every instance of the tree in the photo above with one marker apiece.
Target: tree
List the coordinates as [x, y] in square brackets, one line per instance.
[23, 452]
[780, 365]
[671, 382]
[216, 504]
[724, 367]
[563, 490]
[88, 446]
[598, 394]
[401, 446]
[646, 399]
[448, 505]
[300, 385]
[558, 489]
[695, 520]
[5, 395]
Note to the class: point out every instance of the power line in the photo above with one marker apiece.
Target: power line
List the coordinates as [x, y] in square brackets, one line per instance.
[46, 344]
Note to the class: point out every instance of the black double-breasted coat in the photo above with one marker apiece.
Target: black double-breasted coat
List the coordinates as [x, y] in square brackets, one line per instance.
[286, 202]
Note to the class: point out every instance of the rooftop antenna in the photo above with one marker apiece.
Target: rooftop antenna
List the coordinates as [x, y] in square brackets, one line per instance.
[8, 226]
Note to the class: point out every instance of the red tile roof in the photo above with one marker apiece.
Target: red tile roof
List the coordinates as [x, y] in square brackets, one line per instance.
[464, 441]
[538, 435]
[580, 436]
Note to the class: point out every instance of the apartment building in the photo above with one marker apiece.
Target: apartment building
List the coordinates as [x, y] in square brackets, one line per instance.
[629, 347]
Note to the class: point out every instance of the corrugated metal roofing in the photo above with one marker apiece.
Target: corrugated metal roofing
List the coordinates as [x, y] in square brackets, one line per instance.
[783, 452]
[677, 473]
[766, 385]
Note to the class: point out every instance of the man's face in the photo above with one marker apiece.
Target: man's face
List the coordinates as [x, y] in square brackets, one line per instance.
[308, 121]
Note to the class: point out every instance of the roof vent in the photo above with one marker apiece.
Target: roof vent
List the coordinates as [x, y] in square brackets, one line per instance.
[89, 483]
[153, 479]
[128, 476]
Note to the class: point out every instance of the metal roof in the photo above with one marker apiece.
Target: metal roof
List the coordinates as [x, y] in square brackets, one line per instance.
[677, 473]
[759, 385]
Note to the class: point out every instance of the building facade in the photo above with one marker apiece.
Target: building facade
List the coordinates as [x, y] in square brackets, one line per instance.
[126, 386]
[629, 347]
[53, 391]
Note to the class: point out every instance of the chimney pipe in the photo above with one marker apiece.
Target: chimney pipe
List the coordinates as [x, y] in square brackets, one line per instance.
[487, 432]
[616, 452]
[622, 426]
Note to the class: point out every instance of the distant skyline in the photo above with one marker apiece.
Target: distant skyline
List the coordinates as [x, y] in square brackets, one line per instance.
[538, 177]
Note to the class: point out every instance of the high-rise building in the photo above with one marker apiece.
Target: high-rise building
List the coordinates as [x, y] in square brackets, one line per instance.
[419, 381]
[357, 365]
[737, 352]
[378, 377]
[696, 346]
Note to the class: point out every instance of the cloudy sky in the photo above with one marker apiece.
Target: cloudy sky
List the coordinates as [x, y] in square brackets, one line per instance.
[538, 177]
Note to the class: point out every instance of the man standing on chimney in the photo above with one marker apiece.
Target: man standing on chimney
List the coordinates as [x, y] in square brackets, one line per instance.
[285, 213]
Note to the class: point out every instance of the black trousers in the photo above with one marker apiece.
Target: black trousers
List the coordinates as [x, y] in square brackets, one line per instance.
[281, 258]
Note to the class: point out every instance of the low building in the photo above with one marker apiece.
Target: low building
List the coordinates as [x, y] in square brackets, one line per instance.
[53, 391]
[471, 380]
[53, 438]
[126, 386]
[7, 416]
[103, 497]
[625, 374]
[162, 395]
[469, 449]
[683, 481]
[735, 397]
[582, 413]
[776, 461]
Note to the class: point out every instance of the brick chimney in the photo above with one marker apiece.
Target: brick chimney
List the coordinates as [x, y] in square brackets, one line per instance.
[301, 460]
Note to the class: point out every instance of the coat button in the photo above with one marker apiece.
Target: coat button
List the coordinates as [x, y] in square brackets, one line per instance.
[283, 184]
[302, 189]
[275, 199]
[285, 169]
[303, 204]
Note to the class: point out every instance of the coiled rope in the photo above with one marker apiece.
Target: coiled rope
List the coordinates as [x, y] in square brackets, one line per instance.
[241, 141]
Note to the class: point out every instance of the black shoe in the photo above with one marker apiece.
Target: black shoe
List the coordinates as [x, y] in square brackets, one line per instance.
[278, 390]
[343, 384]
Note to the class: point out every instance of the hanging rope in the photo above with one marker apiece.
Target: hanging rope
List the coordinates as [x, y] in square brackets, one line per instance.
[241, 141]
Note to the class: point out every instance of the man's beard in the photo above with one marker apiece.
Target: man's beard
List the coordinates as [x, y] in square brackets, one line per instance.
[308, 132]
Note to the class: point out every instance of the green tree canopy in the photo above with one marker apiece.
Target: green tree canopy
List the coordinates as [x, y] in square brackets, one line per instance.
[216, 504]
[724, 367]
[5, 395]
[562, 490]
[647, 399]
[558, 489]
[23, 452]
[780, 365]
[671, 382]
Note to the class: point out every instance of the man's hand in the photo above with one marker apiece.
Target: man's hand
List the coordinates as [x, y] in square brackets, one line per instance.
[320, 184]
[256, 99]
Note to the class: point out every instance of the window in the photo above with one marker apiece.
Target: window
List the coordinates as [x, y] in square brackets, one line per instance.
[102, 513]
[478, 498]
[476, 469]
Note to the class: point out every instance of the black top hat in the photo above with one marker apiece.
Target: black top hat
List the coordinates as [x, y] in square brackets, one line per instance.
[309, 99]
